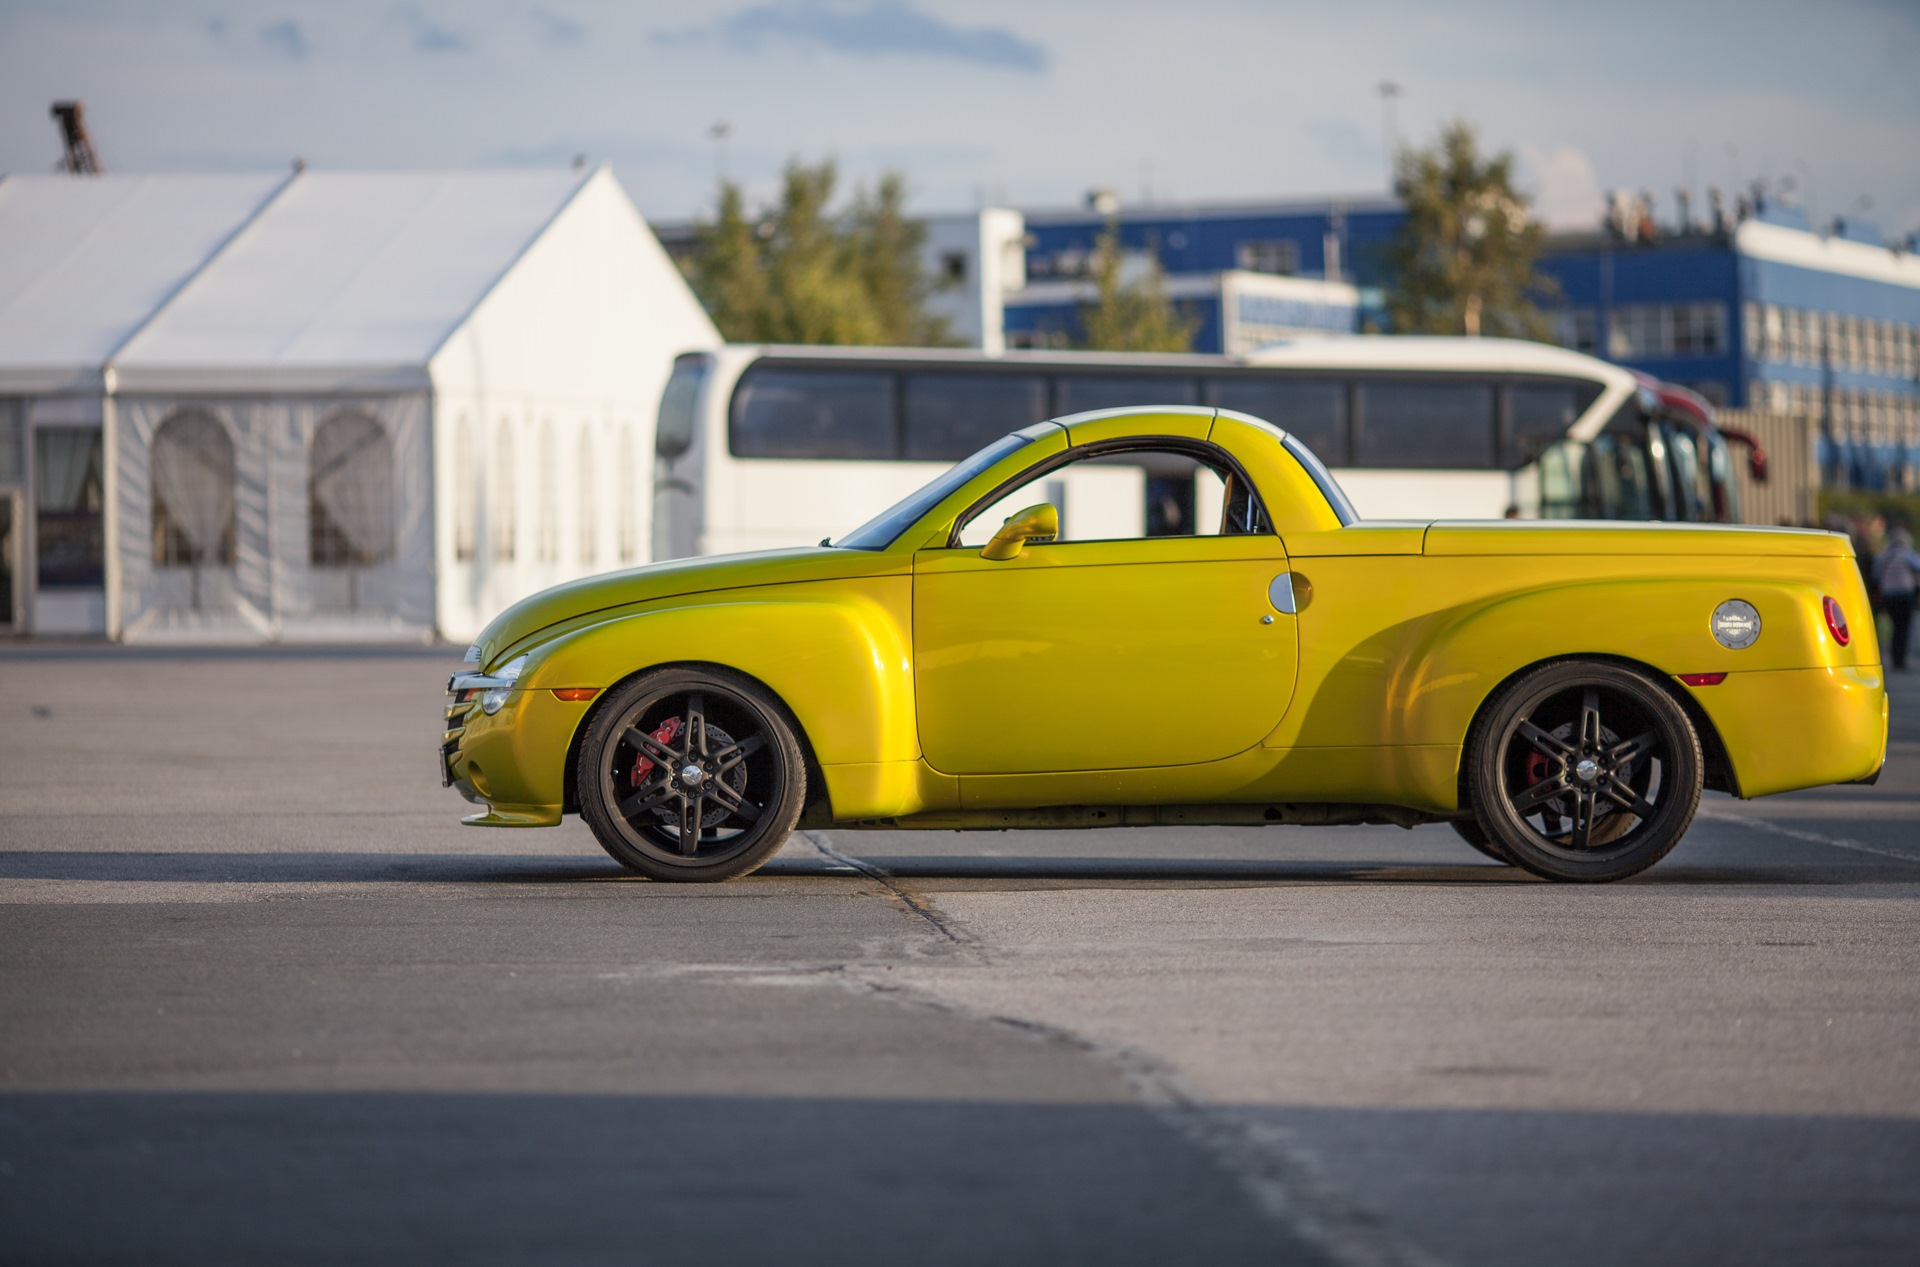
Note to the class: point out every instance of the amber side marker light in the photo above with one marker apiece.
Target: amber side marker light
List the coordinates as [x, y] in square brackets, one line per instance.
[575, 694]
[1703, 679]
[1836, 620]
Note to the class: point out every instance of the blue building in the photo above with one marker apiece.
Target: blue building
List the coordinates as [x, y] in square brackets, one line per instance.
[1761, 312]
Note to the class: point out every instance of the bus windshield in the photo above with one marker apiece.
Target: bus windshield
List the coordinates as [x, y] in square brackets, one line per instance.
[884, 529]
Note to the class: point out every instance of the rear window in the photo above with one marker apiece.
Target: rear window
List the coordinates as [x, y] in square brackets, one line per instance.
[809, 413]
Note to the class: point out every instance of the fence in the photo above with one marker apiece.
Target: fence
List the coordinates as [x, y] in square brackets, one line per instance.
[1792, 491]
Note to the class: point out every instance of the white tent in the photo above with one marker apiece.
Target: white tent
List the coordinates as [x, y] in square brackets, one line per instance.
[343, 404]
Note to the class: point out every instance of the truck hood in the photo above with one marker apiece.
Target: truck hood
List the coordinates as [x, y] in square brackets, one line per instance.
[1588, 536]
[672, 580]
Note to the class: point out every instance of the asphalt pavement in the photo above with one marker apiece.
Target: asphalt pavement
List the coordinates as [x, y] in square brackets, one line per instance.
[263, 999]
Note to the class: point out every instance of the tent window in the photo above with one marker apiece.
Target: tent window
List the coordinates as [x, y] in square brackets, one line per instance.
[466, 493]
[500, 509]
[71, 507]
[623, 486]
[549, 496]
[350, 493]
[589, 520]
[193, 510]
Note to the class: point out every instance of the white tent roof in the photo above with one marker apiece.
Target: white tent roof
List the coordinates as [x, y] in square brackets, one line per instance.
[322, 280]
[83, 261]
[361, 272]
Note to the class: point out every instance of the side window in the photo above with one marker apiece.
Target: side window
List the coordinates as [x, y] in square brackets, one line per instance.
[1078, 393]
[1425, 425]
[1130, 495]
[949, 416]
[813, 413]
[1539, 415]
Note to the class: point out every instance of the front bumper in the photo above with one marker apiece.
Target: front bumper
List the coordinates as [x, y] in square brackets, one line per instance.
[512, 763]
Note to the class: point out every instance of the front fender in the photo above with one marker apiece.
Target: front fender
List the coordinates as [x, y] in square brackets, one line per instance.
[1660, 623]
[838, 654]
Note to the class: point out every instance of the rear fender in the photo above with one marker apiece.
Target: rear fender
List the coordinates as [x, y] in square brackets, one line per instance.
[1662, 624]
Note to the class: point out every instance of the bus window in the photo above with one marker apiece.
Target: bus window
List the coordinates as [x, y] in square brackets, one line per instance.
[1312, 409]
[1425, 425]
[1078, 393]
[1616, 483]
[949, 416]
[680, 405]
[791, 412]
[1559, 487]
[1540, 414]
[1684, 455]
[1723, 488]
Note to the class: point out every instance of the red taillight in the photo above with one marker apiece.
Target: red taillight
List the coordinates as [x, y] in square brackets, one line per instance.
[1836, 620]
[1703, 679]
[576, 694]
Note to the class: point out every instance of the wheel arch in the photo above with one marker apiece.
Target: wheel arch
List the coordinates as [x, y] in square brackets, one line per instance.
[1719, 773]
[816, 781]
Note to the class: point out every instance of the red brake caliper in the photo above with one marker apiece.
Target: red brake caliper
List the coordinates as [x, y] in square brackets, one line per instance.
[1536, 768]
[644, 766]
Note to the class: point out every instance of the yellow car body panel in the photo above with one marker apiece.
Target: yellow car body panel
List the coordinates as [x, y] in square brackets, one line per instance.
[931, 684]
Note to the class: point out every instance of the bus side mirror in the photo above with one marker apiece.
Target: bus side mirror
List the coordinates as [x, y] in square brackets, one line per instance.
[1036, 525]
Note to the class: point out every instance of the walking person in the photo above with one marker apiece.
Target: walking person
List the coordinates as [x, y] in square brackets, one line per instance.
[1896, 574]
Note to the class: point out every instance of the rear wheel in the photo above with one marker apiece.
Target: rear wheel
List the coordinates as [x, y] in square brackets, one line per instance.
[1584, 771]
[691, 775]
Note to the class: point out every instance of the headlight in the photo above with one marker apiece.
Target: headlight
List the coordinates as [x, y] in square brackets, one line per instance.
[1736, 624]
[472, 656]
[494, 700]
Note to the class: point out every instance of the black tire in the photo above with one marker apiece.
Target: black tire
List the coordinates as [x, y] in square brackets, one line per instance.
[1584, 771]
[691, 775]
[1468, 829]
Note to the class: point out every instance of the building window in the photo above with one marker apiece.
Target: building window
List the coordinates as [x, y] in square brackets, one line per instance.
[350, 493]
[1576, 328]
[500, 505]
[466, 492]
[193, 511]
[1649, 331]
[1279, 256]
[589, 480]
[953, 268]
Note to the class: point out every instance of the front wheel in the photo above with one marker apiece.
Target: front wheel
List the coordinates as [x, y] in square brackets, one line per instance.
[691, 774]
[1584, 771]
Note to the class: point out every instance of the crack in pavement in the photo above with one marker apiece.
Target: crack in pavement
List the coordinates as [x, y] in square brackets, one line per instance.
[1283, 1178]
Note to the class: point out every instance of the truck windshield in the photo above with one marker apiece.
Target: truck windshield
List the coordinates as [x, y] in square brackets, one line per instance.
[884, 529]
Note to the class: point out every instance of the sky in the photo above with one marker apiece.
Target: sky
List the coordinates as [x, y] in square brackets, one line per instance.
[989, 102]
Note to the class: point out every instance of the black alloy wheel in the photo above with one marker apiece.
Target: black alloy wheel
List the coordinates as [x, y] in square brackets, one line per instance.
[1584, 771]
[691, 774]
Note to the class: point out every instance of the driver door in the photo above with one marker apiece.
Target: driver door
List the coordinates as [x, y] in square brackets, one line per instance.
[1116, 653]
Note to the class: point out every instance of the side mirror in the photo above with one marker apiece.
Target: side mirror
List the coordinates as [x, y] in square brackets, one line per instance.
[1036, 525]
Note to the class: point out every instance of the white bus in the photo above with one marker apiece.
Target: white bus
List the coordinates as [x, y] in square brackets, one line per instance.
[760, 447]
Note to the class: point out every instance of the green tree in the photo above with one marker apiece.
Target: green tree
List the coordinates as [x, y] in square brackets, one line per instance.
[1463, 260]
[1131, 315]
[801, 274]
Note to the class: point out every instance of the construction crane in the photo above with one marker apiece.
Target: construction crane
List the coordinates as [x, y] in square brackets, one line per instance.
[80, 160]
